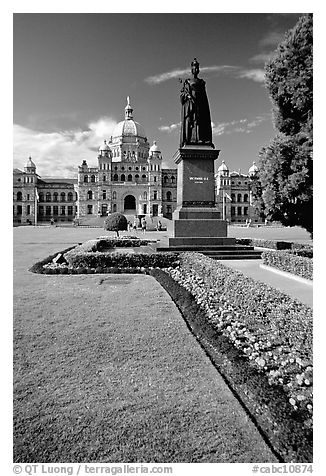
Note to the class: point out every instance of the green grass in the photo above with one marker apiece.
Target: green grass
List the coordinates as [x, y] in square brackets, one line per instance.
[105, 370]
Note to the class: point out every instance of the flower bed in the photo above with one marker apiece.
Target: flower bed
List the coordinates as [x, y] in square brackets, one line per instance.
[82, 259]
[271, 332]
[289, 262]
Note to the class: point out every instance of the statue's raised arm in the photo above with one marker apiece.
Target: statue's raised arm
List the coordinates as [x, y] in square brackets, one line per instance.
[195, 116]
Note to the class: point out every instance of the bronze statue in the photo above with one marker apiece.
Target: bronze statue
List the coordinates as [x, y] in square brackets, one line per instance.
[196, 125]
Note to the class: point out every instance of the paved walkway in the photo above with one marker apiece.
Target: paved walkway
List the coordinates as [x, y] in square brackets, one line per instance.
[296, 289]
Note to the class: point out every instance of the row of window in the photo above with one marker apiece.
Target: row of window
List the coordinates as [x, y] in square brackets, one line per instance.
[49, 211]
[239, 197]
[91, 195]
[55, 211]
[167, 179]
[26, 179]
[239, 211]
[48, 197]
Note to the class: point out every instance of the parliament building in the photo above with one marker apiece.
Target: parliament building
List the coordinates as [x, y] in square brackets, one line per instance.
[128, 178]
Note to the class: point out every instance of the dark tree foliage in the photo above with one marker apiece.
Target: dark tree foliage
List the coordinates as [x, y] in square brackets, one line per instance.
[116, 222]
[286, 164]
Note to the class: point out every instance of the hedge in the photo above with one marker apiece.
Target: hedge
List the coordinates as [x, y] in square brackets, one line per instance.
[305, 250]
[223, 334]
[289, 262]
[121, 260]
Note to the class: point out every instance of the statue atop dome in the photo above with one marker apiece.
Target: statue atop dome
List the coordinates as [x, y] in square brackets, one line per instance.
[128, 110]
[196, 125]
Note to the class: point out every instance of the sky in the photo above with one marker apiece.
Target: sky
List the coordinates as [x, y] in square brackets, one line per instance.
[72, 73]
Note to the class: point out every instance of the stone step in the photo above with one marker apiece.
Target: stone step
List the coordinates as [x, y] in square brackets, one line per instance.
[220, 252]
[207, 248]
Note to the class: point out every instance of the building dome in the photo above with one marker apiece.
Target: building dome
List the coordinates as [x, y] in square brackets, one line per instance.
[253, 169]
[128, 127]
[223, 169]
[104, 147]
[154, 148]
[30, 163]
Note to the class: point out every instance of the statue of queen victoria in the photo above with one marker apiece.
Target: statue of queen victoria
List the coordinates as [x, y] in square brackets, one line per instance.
[196, 126]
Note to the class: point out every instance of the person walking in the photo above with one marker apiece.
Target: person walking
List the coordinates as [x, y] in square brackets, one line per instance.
[135, 224]
[143, 225]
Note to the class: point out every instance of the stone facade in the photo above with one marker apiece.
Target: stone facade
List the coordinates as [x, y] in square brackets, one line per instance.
[233, 189]
[128, 178]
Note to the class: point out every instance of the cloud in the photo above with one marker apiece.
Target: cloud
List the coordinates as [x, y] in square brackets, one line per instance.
[262, 57]
[257, 75]
[241, 125]
[273, 38]
[236, 72]
[179, 73]
[170, 128]
[59, 153]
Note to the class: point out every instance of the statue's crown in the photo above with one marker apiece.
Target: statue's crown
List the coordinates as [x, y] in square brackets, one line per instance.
[194, 62]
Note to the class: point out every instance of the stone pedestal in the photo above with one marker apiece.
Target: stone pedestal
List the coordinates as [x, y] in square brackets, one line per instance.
[196, 220]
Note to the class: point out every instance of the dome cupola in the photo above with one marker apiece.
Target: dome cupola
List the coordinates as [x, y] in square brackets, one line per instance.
[154, 149]
[30, 166]
[253, 169]
[223, 169]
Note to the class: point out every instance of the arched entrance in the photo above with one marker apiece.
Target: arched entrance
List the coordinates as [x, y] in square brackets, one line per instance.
[130, 203]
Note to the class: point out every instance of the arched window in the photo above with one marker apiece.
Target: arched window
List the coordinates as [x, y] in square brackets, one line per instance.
[239, 197]
[48, 197]
[168, 196]
[19, 196]
[89, 195]
[123, 178]
[114, 207]
[145, 195]
[85, 178]
[114, 195]
[62, 197]
[232, 197]
[41, 197]
[136, 176]
[70, 197]
[92, 178]
[245, 197]
[129, 178]
[104, 178]
[172, 179]
[165, 179]
[115, 178]
[55, 196]
[144, 177]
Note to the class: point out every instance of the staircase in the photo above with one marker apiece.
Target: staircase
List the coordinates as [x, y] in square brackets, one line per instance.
[218, 252]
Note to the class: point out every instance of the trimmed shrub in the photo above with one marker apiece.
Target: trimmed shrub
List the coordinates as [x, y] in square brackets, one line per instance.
[116, 222]
[121, 260]
[289, 262]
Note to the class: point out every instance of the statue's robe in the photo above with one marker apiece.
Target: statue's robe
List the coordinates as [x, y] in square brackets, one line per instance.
[196, 125]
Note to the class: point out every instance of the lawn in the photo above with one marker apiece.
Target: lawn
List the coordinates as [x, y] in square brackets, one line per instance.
[105, 370]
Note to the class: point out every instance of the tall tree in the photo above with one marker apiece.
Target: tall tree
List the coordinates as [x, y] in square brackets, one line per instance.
[285, 165]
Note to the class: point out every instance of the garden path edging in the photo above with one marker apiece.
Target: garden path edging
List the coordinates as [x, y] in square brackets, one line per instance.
[286, 274]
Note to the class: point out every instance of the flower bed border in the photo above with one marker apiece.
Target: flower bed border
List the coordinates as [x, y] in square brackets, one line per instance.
[289, 262]
[267, 405]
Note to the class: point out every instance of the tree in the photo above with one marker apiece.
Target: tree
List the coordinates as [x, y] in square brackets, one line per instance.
[116, 222]
[285, 166]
